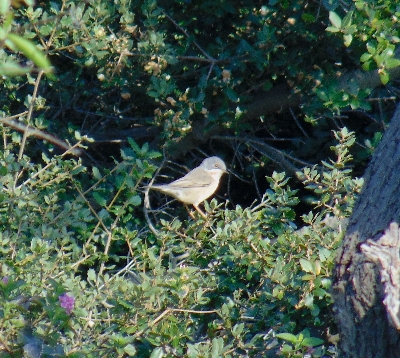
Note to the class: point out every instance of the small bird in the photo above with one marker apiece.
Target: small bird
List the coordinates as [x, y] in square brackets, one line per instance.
[197, 185]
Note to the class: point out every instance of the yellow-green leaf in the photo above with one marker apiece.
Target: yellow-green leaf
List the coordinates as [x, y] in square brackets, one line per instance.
[335, 19]
[4, 6]
[29, 49]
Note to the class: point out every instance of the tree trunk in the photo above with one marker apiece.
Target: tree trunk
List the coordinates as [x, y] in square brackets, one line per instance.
[366, 286]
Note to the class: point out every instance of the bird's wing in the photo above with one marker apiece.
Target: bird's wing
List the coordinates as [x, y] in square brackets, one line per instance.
[198, 177]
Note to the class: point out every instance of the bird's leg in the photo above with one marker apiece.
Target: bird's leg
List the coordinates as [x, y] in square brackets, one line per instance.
[200, 212]
[189, 212]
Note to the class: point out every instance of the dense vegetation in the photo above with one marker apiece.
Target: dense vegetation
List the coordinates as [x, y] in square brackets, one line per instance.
[293, 95]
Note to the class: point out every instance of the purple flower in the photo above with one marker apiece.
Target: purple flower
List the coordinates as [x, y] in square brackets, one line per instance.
[67, 302]
[5, 280]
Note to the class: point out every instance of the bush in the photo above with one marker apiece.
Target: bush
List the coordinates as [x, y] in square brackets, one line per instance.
[83, 277]
[81, 273]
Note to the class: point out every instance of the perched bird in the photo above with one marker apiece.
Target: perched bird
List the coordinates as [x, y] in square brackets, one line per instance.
[197, 185]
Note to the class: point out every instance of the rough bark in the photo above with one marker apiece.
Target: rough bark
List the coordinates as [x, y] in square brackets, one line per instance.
[364, 287]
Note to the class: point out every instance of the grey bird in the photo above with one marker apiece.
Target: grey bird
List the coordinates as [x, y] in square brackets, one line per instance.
[197, 185]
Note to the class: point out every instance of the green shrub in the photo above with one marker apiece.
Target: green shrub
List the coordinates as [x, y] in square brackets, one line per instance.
[83, 277]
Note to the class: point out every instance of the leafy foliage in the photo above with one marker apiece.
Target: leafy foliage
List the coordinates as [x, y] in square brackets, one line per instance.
[175, 64]
[80, 272]
[242, 282]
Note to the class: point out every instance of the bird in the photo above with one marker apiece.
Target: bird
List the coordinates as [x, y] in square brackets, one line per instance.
[197, 185]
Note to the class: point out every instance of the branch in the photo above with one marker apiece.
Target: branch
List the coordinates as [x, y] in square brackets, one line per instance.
[29, 131]
[29, 115]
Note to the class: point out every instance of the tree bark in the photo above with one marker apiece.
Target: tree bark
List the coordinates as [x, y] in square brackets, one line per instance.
[366, 277]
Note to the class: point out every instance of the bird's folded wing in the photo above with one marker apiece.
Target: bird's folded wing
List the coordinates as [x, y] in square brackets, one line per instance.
[198, 177]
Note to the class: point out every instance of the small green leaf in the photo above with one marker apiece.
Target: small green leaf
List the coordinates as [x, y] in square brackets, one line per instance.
[311, 342]
[371, 48]
[13, 69]
[232, 95]
[308, 277]
[135, 200]
[130, 350]
[309, 18]
[335, 19]
[29, 49]
[157, 353]
[359, 5]
[319, 292]
[100, 199]
[5, 6]
[217, 347]
[306, 265]
[287, 337]
[347, 19]
[332, 29]
[96, 173]
[78, 169]
[365, 57]
[237, 330]
[392, 63]
[347, 40]
[384, 76]
[91, 275]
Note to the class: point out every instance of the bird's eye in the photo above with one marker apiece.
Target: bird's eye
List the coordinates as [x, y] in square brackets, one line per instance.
[216, 165]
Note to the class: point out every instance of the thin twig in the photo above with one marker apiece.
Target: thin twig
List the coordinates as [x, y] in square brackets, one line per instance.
[167, 311]
[29, 131]
[29, 116]
[211, 59]
[147, 202]
[298, 123]
[187, 35]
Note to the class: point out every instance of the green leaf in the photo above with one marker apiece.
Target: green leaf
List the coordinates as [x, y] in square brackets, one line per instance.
[287, 337]
[135, 200]
[347, 19]
[157, 353]
[309, 18]
[78, 169]
[5, 6]
[365, 57]
[232, 95]
[384, 76]
[29, 49]
[306, 265]
[371, 48]
[96, 173]
[392, 63]
[102, 201]
[347, 40]
[308, 277]
[319, 292]
[130, 350]
[91, 275]
[311, 342]
[335, 19]
[217, 347]
[360, 5]
[237, 330]
[13, 69]
[332, 29]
